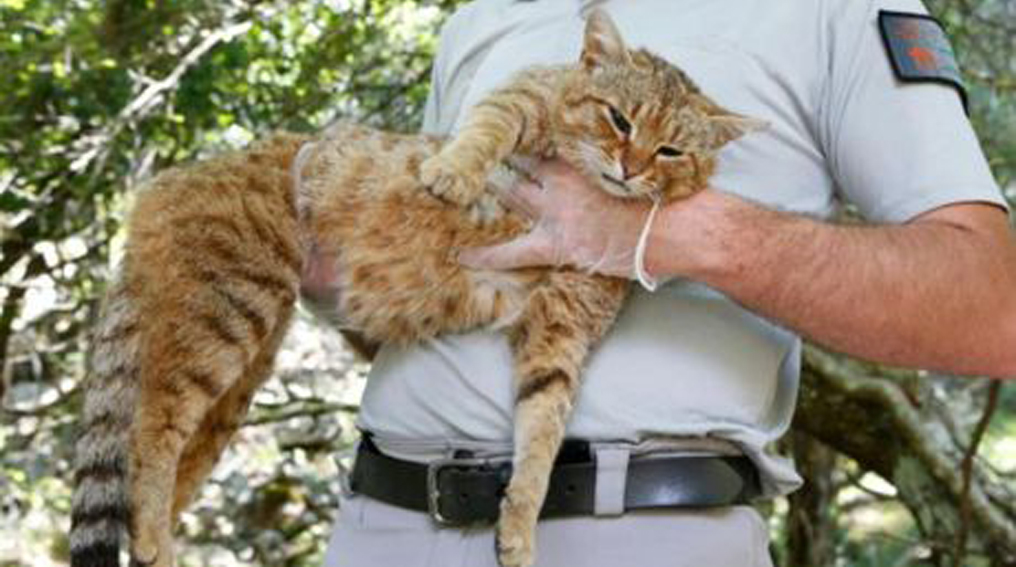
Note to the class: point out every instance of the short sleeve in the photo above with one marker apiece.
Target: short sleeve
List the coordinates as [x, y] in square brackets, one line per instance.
[432, 108]
[434, 121]
[895, 149]
[461, 44]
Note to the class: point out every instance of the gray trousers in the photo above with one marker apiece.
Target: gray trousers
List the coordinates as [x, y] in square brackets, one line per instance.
[369, 533]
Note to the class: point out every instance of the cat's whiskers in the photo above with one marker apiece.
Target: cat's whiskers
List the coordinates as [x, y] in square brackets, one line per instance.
[641, 188]
[596, 159]
[598, 164]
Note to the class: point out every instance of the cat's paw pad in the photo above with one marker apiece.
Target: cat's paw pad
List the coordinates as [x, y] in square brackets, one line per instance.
[452, 182]
[514, 537]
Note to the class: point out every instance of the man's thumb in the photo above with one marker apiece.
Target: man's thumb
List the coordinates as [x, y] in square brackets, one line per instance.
[522, 252]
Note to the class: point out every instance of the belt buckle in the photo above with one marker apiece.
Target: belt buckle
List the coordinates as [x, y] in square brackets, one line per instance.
[434, 469]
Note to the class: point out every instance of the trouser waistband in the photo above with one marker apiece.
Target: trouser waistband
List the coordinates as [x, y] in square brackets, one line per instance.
[428, 449]
[466, 489]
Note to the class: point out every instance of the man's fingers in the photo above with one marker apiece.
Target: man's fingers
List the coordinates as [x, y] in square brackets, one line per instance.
[320, 274]
[525, 198]
[523, 252]
[553, 167]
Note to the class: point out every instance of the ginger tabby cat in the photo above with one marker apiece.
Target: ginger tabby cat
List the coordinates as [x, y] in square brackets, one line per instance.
[207, 288]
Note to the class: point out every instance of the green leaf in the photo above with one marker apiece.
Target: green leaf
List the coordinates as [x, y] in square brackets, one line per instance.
[12, 203]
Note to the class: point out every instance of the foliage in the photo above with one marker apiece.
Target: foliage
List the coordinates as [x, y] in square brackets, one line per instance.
[99, 95]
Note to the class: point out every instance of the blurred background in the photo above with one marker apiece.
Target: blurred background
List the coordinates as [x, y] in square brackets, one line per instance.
[903, 468]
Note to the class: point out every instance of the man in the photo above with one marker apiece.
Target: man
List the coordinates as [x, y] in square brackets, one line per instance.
[693, 369]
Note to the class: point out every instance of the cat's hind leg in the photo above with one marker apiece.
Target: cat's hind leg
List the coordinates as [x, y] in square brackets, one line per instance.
[178, 389]
[221, 422]
[562, 321]
[203, 339]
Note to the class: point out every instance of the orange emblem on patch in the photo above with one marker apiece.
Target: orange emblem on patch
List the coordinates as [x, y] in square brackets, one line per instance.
[923, 58]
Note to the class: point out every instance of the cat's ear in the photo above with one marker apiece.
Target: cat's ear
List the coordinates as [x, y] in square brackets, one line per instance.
[728, 127]
[725, 126]
[603, 44]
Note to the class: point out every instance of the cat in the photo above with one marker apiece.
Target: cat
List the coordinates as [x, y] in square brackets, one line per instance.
[191, 324]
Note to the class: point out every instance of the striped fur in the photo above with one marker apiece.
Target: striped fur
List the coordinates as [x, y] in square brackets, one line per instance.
[215, 253]
[187, 332]
[100, 509]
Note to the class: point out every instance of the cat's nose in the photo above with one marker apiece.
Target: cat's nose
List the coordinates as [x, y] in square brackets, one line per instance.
[631, 168]
[634, 161]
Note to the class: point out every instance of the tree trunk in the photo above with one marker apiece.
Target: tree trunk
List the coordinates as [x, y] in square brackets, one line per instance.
[810, 526]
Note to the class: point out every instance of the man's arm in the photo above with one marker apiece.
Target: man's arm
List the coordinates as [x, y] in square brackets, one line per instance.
[938, 292]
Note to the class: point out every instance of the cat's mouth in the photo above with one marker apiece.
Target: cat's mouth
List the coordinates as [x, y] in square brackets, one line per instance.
[616, 181]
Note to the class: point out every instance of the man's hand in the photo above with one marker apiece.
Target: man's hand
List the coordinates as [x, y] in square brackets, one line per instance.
[936, 292]
[321, 293]
[319, 284]
[574, 225]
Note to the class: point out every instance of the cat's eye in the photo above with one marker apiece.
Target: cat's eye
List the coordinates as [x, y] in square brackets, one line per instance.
[620, 122]
[669, 151]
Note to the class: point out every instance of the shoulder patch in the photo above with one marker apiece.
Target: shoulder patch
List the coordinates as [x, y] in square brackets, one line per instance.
[919, 49]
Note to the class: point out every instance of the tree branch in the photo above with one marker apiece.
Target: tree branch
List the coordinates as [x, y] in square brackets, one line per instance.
[968, 470]
[873, 420]
[313, 408]
[98, 143]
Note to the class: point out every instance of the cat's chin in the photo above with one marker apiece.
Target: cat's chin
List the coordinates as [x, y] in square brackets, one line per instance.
[615, 191]
[621, 190]
[614, 186]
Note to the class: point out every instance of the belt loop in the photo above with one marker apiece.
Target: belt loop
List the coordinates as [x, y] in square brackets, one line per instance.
[611, 475]
[345, 473]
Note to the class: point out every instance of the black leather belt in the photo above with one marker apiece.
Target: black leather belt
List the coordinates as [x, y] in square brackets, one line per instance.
[465, 490]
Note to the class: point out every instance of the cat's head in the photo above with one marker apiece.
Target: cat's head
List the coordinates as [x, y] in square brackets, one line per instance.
[637, 124]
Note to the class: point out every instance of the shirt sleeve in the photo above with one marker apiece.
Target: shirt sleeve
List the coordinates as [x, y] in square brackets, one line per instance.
[432, 108]
[443, 99]
[895, 149]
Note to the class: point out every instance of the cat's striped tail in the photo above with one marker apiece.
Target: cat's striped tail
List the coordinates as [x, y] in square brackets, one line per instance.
[100, 512]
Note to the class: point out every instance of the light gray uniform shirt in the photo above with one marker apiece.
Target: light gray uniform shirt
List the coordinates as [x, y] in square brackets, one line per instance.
[686, 360]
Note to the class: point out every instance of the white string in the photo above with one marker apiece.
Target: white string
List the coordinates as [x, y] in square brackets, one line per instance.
[301, 158]
[647, 281]
[297, 174]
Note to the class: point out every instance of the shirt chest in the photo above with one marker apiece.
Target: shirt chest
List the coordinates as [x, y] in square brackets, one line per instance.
[739, 52]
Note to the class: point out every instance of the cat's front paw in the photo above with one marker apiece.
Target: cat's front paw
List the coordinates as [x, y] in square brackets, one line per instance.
[516, 531]
[485, 210]
[449, 180]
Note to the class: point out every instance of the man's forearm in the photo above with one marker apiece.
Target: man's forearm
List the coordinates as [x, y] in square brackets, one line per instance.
[928, 294]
